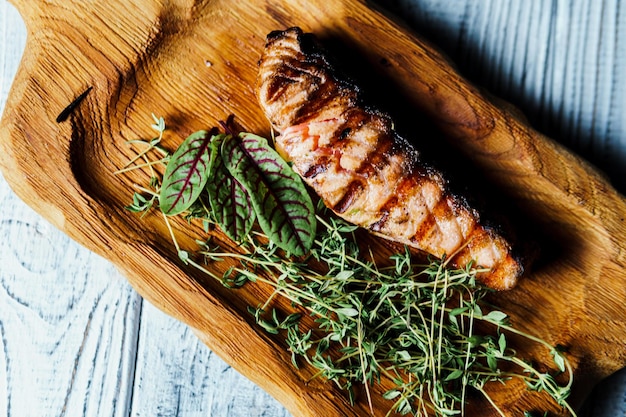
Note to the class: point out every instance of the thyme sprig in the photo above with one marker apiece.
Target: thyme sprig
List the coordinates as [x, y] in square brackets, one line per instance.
[423, 326]
[414, 324]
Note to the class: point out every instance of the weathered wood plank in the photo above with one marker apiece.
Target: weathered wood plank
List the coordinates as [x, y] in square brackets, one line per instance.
[68, 319]
[68, 322]
[179, 376]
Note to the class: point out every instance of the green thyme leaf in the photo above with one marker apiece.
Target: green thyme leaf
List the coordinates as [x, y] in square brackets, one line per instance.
[391, 394]
[559, 361]
[496, 317]
[159, 124]
[502, 343]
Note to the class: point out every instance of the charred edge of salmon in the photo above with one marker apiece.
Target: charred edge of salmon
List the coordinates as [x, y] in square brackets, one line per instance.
[330, 87]
[314, 59]
[313, 50]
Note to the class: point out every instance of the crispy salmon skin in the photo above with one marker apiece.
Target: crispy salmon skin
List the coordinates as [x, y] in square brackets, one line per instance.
[362, 169]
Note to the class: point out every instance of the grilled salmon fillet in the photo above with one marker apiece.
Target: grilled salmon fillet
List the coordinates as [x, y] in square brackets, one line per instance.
[362, 169]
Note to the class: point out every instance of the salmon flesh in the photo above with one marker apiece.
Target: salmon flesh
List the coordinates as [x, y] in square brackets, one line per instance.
[351, 156]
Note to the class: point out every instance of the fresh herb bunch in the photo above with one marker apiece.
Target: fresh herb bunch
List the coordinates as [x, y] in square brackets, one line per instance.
[411, 323]
[231, 179]
[416, 325]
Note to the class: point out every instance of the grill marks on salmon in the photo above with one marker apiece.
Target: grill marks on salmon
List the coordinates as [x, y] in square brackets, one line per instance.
[362, 169]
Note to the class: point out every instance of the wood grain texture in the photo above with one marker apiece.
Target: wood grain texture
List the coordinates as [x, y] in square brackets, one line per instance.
[68, 319]
[178, 376]
[560, 191]
[83, 320]
[560, 62]
[77, 340]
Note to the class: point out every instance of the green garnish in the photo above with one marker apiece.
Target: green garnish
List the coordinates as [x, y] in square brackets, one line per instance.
[283, 206]
[424, 327]
[186, 174]
[243, 178]
[229, 200]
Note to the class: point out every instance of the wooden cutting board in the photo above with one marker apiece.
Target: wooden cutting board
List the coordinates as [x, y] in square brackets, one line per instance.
[195, 63]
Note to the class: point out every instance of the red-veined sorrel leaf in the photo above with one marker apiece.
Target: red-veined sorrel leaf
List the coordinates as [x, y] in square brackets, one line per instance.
[283, 207]
[229, 200]
[186, 174]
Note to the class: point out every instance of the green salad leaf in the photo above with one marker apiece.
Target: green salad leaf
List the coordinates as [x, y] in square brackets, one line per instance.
[284, 209]
[186, 174]
[229, 200]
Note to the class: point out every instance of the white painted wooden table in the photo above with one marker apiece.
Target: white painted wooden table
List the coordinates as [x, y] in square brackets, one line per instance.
[76, 340]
